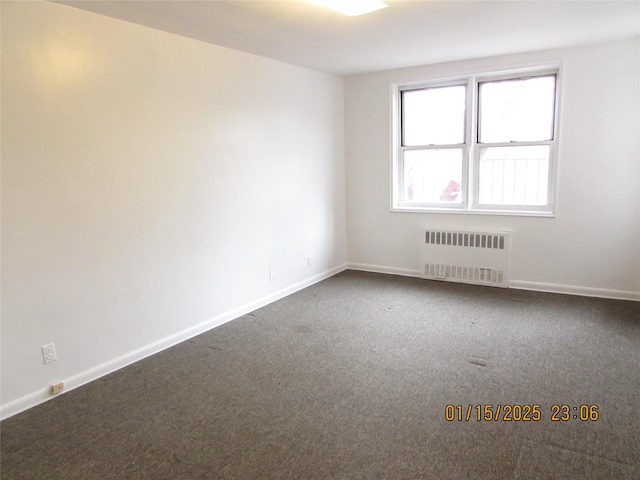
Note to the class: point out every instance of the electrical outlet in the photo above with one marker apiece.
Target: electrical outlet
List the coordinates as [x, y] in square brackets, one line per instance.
[272, 274]
[57, 388]
[49, 353]
[309, 261]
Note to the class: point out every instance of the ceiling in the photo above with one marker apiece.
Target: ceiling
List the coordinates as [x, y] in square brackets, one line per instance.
[407, 33]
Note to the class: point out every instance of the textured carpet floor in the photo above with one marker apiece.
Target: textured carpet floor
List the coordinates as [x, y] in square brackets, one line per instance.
[349, 379]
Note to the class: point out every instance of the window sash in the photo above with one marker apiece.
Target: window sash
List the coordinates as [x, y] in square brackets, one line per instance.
[513, 176]
[479, 114]
[439, 204]
[404, 121]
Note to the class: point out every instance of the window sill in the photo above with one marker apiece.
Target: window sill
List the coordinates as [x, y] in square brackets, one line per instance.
[460, 211]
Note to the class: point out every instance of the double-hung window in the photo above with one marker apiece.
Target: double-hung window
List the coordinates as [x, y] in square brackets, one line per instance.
[482, 143]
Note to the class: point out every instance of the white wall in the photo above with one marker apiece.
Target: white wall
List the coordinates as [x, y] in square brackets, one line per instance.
[149, 182]
[592, 247]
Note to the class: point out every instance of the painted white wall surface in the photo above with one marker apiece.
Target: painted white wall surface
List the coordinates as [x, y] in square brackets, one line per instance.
[592, 247]
[149, 183]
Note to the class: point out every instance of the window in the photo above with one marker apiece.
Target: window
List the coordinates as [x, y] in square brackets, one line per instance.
[477, 144]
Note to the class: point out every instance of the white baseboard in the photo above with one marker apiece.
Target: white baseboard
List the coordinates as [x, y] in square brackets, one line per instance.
[575, 290]
[517, 284]
[40, 396]
[363, 267]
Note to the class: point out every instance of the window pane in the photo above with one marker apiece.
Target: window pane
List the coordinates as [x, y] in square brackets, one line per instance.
[514, 175]
[517, 110]
[433, 176]
[433, 116]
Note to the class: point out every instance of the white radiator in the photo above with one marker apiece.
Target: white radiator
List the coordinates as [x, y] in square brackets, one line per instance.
[481, 258]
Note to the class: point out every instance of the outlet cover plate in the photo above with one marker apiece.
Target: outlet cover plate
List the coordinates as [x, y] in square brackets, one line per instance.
[49, 353]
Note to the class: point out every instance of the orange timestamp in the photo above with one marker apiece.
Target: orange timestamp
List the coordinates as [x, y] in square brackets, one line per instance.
[519, 413]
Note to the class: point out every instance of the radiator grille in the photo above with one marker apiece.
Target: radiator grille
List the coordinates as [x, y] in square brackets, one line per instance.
[469, 274]
[481, 258]
[460, 239]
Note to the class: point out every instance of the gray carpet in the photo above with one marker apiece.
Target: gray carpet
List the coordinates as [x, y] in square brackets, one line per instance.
[349, 379]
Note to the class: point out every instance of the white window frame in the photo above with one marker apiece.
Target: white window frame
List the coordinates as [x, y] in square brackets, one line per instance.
[470, 178]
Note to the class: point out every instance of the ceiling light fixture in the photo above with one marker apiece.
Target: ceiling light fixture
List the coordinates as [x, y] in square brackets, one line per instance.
[352, 7]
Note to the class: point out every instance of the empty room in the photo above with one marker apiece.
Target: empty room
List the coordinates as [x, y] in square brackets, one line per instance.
[320, 239]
